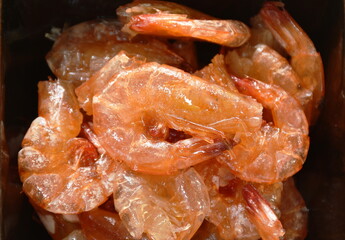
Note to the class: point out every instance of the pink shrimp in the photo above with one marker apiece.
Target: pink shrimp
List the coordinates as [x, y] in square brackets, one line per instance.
[100, 224]
[84, 48]
[265, 64]
[260, 213]
[216, 72]
[166, 20]
[134, 111]
[277, 151]
[61, 172]
[163, 207]
[305, 60]
[232, 201]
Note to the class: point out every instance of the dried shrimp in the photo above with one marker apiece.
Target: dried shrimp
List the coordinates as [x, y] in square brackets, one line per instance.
[134, 141]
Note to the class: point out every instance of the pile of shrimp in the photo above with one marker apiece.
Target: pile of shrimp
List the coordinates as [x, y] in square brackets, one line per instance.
[134, 141]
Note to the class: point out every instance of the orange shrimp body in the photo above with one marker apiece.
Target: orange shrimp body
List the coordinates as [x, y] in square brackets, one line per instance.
[232, 203]
[265, 64]
[277, 150]
[135, 110]
[84, 48]
[61, 172]
[173, 20]
[305, 60]
[163, 207]
[229, 33]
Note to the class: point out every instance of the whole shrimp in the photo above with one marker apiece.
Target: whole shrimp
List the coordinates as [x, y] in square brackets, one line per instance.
[163, 19]
[278, 149]
[84, 48]
[265, 64]
[164, 207]
[133, 114]
[63, 173]
[305, 60]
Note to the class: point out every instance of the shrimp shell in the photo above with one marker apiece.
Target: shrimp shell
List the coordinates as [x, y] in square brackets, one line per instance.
[62, 173]
[169, 97]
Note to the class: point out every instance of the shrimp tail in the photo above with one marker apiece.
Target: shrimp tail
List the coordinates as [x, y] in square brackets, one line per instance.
[261, 214]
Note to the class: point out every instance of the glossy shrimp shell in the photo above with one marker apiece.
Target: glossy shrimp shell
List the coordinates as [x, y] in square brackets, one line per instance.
[61, 172]
[305, 60]
[137, 107]
[173, 20]
[279, 149]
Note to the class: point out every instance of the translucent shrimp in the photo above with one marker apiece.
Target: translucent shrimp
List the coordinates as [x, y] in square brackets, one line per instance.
[305, 60]
[63, 173]
[84, 48]
[216, 72]
[97, 82]
[279, 149]
[101, 224]
[265, 64]
[260, 213]
[229, 33]
[168, 21]
[294, 213]
[139, 7]
[163, 207]
[134, 111]
[232, 201]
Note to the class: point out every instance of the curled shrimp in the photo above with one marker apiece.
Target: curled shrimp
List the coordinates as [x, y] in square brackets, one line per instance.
[279, 149]
[265, 64]
[305, 60]
[133, 114]
[63, 173]
[171, 22]
[163, 207]
[233, 200]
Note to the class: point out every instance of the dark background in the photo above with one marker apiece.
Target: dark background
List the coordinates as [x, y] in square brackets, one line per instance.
[24, 23]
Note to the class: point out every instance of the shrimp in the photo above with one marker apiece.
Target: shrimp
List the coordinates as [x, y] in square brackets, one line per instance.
[277, 150]
[294, 213]
[139, 7]
[230, 203]
[229, 33]
[83, 49]
[305, 60]
[63, 173]
[163, 207]
[216, 72]
[167, 19]
[101, 224]
[265, 64]
[260, 213]
[119, 63]
[133, 113]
